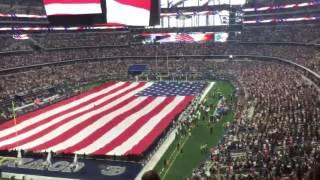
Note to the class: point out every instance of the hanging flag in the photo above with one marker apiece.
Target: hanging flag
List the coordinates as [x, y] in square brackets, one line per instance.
[129, 12]
[14, 114]
[72, 7]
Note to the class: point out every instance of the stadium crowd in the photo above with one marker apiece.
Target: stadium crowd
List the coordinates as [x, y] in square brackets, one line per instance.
[304, 55]
[16, 83]
[59, 47]
[280, 139]
[283, 33]
[86, 39]
[9, 44]
[22, 7]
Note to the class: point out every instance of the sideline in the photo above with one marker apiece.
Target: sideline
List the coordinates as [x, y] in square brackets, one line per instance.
[176, 154]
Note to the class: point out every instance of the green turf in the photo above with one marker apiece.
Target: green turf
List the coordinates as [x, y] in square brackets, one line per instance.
[191, 157]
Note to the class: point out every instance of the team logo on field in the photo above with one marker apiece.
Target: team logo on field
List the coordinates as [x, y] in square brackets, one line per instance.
[109, 170]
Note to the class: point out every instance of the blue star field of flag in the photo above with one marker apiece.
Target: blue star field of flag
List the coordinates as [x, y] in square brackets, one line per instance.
[173, 89]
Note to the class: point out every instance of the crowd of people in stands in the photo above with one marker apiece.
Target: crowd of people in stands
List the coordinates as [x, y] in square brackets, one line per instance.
[283, 33]
[281, 136]
[304, 55]
[87, 39]
[75, 46]
[280, 139]
[22, 7]
[8, 43]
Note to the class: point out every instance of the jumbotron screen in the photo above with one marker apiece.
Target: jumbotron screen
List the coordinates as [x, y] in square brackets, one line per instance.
[200, 37]
[114, 12]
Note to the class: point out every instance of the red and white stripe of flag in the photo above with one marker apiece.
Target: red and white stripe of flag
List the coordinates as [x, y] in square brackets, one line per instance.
[183, 38]
[128, 12]
[110, 120]
[72, 7]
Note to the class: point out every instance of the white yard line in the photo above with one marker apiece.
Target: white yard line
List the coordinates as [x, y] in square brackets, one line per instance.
[165, 145]
[176, 154]
[207, 91]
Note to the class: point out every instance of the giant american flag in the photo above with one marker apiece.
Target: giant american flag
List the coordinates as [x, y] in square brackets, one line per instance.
[118, 118]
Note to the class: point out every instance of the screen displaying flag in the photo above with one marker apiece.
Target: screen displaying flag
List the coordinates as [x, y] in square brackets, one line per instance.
[118, 118]
[129, 12]
[149, 38]
[184, 38]
[72, 7]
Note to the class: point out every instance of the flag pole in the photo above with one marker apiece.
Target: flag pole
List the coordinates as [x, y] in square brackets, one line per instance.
[168, 64]
[156, 65]
[14, 121]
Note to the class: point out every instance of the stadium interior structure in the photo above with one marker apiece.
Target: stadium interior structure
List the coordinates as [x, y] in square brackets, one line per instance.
[215, 90]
